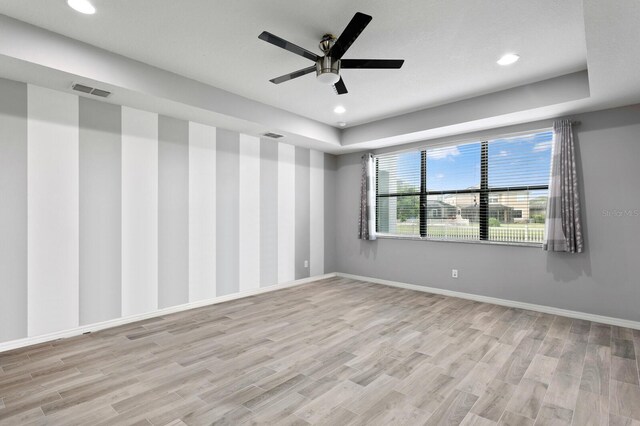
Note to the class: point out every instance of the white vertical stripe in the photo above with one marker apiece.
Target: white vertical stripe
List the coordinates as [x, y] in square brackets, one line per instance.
[139, 211]
[286, 212]
[202, 212]
[249, 276]
[53, 211]
[316, 220]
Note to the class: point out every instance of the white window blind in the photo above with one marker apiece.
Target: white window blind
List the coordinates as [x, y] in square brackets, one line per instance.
[398, 193]
[493, 190]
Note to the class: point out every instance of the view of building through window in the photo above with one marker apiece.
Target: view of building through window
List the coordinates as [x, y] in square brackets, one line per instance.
[493, 190]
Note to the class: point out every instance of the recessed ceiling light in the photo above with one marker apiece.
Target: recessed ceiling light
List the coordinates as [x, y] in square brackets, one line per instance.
[339, 109]
[82, 6]
[508, 59]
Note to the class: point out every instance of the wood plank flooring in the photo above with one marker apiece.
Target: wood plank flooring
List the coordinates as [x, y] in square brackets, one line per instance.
[334, 352]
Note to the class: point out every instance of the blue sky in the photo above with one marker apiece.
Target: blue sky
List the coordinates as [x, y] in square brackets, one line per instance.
[520, 160]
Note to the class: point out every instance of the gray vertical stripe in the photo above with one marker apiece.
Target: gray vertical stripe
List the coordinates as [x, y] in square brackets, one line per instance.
[173, 211]
[268, 212]
[330, 214]
[303, 200]
[13, 210]
[100, 211]
[227, 211]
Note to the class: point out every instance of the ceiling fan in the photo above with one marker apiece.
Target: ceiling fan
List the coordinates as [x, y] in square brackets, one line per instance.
[328, 67]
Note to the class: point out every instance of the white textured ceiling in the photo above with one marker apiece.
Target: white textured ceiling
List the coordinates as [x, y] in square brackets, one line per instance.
[449, 46]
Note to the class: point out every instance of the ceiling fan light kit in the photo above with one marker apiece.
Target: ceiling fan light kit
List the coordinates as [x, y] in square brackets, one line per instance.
[327, 67]
[328, 70]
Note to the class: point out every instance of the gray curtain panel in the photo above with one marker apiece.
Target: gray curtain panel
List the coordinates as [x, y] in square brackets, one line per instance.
[366, 221]
[563, 229]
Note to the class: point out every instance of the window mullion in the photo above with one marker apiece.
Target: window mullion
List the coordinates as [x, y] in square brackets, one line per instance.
[423, 194]
[484, 191]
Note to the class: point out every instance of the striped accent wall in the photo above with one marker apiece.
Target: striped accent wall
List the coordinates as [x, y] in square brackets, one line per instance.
[108, 211]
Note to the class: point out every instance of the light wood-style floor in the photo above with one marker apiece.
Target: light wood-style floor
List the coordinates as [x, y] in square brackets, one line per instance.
[332, 352]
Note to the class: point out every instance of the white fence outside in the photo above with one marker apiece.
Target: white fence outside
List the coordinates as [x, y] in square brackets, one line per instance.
[514, 234]
[440, 231]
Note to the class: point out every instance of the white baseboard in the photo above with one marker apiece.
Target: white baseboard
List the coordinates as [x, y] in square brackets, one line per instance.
[28, 341]
[503, 302]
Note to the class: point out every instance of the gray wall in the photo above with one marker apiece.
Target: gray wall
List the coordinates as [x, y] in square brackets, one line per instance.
[268, 213]
[302, 214]
[330, 211]
[605, 280]
[13, 210]
[173, 211]
[100, 197]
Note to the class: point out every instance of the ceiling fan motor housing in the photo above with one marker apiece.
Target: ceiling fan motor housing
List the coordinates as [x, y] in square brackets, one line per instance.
[328, 70]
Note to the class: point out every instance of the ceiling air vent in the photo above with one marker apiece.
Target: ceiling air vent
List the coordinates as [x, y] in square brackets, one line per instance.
[93, 91]
[273, 135]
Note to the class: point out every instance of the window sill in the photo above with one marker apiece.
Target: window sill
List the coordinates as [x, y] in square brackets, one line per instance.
[490, 243]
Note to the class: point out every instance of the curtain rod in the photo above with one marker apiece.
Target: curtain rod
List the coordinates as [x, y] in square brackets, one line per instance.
[574, 122]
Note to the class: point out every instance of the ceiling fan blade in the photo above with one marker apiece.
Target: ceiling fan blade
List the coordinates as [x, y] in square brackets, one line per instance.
[340, 88]
[293, 75]
[284, 44]
[371, 63]
[350, 34]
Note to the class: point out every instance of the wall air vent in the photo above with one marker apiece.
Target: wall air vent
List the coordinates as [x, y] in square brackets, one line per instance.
[92, 91]
[273, 135]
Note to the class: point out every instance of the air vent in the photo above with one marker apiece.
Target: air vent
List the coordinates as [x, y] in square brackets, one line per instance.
[82, 88]
[273, 135]
[100, 92]
[92, 91]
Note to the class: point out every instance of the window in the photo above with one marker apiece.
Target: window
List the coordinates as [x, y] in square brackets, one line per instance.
[494, 190]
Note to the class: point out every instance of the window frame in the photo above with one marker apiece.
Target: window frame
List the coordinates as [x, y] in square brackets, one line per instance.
[484, 191]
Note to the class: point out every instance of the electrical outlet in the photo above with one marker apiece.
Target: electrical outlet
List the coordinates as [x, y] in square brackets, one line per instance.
[454, 273]
[306, 263]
